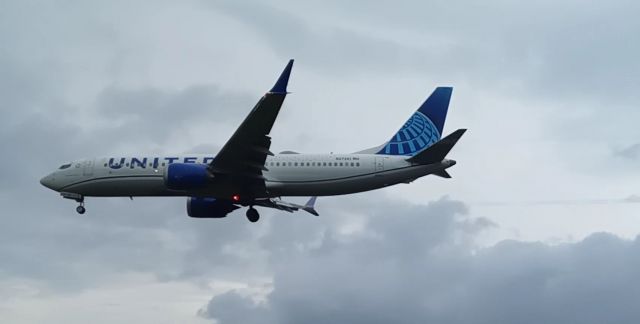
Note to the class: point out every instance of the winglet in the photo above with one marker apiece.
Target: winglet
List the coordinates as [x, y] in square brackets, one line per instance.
[309, 206]
[281, 85]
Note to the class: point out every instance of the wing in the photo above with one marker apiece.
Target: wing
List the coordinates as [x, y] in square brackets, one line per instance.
[309, 207]
[241, 160]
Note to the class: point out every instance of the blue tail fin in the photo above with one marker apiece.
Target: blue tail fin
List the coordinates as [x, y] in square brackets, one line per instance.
[423, 128]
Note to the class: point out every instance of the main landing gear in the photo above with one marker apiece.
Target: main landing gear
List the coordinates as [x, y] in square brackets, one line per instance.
[252, 215]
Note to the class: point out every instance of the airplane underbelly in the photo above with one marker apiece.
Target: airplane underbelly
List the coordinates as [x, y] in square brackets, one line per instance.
[123, 187]
[342, 186]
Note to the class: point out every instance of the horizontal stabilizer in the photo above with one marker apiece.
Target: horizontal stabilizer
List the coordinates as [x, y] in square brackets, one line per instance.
[309, 206]
[438, 151]
[443, 174]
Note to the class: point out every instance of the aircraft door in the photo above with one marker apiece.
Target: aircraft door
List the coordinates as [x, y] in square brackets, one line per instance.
[379, 163]
[87, 168]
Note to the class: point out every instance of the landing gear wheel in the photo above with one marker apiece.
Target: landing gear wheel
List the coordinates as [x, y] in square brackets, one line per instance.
[80, 209]
[252, 215]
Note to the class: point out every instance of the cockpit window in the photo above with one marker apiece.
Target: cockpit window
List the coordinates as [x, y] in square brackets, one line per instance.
[64, 166]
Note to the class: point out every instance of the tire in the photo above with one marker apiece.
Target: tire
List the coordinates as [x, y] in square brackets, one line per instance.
[253, 215]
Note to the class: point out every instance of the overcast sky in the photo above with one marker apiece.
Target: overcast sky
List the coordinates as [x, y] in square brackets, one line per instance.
[538, 224]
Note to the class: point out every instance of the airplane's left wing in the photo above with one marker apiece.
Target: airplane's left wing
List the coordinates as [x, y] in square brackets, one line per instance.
[241, 159]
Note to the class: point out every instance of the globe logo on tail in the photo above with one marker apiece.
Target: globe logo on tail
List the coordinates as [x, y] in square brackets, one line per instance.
[415, 135]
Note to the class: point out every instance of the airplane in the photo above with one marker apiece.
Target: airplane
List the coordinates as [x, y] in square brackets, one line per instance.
[245, 173]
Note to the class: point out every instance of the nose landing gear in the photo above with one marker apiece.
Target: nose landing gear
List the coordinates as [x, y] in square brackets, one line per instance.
[78, 198]
[252, 215]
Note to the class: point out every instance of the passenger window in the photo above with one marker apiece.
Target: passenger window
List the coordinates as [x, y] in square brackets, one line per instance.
[295, 164]
[340, 163]
[357, 163]
[162, 163]
[351, 163]
[308, 164]
[105, 165]
[324, 163]
[289, 163]
[277, 163]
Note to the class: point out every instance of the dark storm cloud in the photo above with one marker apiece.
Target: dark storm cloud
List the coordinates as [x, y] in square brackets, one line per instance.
[415, 264]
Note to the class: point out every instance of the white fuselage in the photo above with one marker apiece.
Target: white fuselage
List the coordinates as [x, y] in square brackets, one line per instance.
[286, 175]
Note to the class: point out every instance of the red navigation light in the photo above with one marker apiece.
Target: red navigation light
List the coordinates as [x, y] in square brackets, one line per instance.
[235, 198]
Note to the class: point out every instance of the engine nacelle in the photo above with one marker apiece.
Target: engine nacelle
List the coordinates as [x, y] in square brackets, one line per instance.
[186, 176]
[199, 207]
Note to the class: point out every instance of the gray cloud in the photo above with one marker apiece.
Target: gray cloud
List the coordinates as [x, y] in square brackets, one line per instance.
[83, 79]
[632, 152]
[578, 49]
[416, 264]
[330, 49]
[156, 115]
[227, 306]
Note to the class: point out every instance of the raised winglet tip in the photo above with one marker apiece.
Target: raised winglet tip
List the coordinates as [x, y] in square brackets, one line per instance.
[312, 201]
[281, 85]
[310, 206]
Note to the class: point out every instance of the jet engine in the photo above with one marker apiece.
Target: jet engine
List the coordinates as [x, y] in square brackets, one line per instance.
[186, 176]
[202, 207]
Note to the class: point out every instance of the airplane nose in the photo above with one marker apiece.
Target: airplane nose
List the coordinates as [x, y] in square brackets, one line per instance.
[47, 181]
